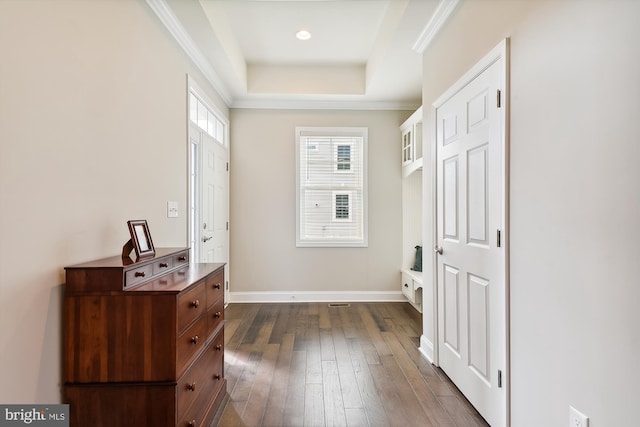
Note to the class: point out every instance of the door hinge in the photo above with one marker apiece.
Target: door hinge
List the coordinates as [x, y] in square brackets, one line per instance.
[227, 225]
[227, 166]
[499, 238]
[499, 103]
[499, 378]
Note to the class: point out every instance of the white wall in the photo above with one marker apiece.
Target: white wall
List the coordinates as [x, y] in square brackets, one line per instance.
[92, 133]
[264, 256]
[575, 197]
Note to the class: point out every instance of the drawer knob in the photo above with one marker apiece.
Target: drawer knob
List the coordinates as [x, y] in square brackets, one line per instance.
[406, 286]
[191, 387]
[217, 376]
[195, 303]
[217, 286]
[194, 339]
[219, 347]
[164, 265]
[217, 315]
[182, 258]
[191, 423]
[139, 274]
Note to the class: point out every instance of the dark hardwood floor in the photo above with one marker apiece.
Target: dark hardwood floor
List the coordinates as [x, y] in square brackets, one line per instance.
[308, 364]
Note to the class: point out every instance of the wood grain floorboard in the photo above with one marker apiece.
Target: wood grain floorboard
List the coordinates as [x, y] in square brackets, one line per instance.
[274, 412]
[371, 399]
[311, 364]
[294, 404]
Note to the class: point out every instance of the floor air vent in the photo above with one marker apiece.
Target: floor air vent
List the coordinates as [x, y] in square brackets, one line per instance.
[339, 304]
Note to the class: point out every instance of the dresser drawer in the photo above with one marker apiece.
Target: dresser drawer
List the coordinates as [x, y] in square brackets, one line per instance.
[215, 315]
[215, 287]
[163, 265]
[181, 258]
[198, 379]
[194, 405]
[191, 305]
[189, 342]
[138, 275]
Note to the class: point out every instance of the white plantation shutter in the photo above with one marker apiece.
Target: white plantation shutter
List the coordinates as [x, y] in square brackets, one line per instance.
[331, 186]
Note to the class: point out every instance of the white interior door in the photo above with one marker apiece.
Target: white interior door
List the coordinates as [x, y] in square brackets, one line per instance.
[471, 222]
[214, 201]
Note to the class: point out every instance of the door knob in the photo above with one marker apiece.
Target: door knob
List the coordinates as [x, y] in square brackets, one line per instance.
[207, 238]
[437, 249]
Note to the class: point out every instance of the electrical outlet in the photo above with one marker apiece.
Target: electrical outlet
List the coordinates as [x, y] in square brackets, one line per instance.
[577, 418]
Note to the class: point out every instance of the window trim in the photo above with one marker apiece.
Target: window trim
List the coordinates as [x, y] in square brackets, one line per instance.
[335, 241]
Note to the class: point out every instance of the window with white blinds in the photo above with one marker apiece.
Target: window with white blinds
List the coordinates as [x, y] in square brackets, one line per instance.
[331, 186]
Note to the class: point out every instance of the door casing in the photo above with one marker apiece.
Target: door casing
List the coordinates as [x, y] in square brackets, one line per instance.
[196, 154]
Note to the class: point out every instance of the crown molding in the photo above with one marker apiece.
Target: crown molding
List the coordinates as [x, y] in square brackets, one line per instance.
[272, 103]
[172, 24]
[438, 19]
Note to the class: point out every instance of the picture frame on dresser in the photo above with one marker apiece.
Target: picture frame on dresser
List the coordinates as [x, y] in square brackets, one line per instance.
[140, 238]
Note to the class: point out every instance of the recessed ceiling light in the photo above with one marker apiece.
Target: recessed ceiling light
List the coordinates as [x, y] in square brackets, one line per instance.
[303, 35]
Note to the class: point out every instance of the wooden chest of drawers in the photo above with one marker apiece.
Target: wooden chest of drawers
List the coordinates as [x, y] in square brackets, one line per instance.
[144, 341]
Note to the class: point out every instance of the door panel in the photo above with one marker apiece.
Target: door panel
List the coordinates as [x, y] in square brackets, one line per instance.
[477, 194]
[450, 128]
[450, 189]
[477, 110]
[452, 309]
[478, 315]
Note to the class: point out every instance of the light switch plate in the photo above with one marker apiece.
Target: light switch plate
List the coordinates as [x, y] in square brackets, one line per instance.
[577, 418]
[172, 209]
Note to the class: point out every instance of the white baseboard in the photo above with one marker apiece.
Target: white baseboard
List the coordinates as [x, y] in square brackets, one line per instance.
[418, 306]
[426, 348]
[316, 296]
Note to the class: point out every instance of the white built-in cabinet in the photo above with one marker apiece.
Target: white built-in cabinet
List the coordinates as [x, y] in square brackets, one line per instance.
[411, 139]
[411, 131]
